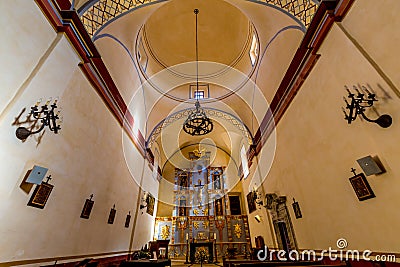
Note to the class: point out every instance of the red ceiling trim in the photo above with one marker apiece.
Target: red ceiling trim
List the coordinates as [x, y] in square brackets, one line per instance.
[65, 20]
[302, 63]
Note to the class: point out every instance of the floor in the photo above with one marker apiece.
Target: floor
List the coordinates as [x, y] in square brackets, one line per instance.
[181, 263]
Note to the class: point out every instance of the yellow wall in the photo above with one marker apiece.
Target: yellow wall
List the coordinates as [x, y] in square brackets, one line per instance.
[316, 147]
[87, 156]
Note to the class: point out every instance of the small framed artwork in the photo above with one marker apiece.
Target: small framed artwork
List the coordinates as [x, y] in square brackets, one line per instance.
[150, 204]
[87, 208]
[111, 216]
[296, 209]
[361, 187]
[251, 201]
[40, 195]
[128, 220]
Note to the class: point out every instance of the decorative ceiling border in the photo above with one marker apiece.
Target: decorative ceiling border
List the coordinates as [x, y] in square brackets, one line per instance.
[211, 112]
[96, 14]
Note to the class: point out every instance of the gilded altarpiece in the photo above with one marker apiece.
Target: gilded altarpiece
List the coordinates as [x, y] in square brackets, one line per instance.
[201, 212]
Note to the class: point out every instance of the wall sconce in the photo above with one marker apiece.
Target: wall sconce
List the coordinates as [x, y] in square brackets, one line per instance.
[46, 117]
[358, 104]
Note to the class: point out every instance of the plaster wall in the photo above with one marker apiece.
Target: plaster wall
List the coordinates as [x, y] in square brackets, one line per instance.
[316, 148]
[88, 156]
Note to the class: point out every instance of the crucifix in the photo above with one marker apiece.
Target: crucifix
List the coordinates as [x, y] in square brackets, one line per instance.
[48, 179]
[353, 171]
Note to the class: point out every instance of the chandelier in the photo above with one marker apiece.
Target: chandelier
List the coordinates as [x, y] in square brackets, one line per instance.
[197, 123]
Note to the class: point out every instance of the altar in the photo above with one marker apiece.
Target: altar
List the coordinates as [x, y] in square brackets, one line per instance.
[208, 245]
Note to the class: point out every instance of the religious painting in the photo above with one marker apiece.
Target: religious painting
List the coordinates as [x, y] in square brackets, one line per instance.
[183, 181]
[218, 207]
[150, 204]
[361, 187]
[87, 209]
[296, 209]
[40, 195]
[127, 220]
[251, 201]
[182, 211]
[234, 205]
[111, 216]
[217, 181]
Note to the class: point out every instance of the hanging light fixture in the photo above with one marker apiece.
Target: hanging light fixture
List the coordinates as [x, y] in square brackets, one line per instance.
[197, 122]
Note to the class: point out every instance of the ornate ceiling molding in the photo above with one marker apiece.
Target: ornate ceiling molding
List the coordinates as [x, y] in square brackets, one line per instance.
[210, 112]
[96, 14]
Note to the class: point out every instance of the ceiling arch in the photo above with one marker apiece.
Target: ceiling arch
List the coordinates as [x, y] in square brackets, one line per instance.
[96, 14]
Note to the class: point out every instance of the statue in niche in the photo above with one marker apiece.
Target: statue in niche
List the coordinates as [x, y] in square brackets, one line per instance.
[183, 181]
[217, 181]
[182, 207]
[182, 211]
[218, 207]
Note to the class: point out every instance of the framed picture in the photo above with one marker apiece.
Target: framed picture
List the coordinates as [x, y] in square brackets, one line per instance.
[361, 187]
[296, 209]
[127, 220]
[40, 195]
[251, 201]
[111, 216]
[87, 208]
[150, 204]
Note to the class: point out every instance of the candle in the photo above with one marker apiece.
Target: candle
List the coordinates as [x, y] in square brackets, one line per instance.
[215, 235]
[187, 236]
[38, 102]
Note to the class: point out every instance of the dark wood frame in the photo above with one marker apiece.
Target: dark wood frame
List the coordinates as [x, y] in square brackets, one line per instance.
[251, 201]
[150, 204]
[87, 208]
[127, 220]
[296, 210]
[111, 216]
[361, 187]
[40, 195]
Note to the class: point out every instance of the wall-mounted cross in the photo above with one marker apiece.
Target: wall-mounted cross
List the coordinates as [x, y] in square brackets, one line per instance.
[48, 179]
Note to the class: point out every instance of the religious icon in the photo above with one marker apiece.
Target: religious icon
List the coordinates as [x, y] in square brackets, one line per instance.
[251, 201]
[361, 187]
[150, 204]
[217, 181]
[111, 216]
[87, 208]
[182, 211]
[218, 207]
[41, 194]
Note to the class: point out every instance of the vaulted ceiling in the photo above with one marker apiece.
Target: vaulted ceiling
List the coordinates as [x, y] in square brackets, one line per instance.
[149, 50]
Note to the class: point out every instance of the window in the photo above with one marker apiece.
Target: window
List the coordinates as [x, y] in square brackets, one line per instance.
[199, 94]
[245, 163]
[253, 50]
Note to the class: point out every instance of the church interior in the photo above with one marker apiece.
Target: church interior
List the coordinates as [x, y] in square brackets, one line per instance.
[199, 132]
